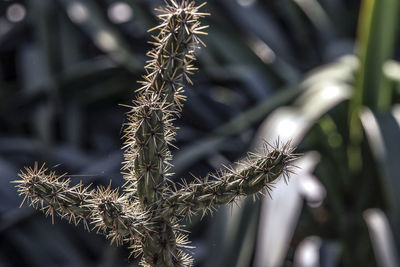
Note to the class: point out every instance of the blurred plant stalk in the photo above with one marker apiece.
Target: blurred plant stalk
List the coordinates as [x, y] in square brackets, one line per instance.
[377, 27]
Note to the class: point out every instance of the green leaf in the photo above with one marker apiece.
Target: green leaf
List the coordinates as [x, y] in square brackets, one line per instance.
[375, 45]
[383, 132]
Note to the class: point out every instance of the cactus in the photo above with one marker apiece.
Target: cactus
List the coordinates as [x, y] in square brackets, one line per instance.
[147, 215]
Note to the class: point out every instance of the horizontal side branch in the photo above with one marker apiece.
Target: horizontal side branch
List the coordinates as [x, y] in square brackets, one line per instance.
[257, 172]
[102, 206]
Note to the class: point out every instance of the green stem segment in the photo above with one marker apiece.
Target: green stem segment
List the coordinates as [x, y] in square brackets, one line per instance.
[150, 129]
[100, 206]
[257, 172]
[54, 194]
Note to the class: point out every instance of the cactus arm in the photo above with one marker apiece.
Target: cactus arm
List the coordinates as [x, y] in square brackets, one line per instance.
[150, 129]
[257, 172]
[53, 194]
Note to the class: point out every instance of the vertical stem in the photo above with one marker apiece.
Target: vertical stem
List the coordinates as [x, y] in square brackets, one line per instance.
[150, 130]
[375, 45]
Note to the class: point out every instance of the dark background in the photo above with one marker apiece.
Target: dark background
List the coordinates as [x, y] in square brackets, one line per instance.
[67, 65]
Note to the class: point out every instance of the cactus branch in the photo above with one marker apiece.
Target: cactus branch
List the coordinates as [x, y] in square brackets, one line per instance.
[257, 172]
[150, 129]
[53, 194]
[102, 206]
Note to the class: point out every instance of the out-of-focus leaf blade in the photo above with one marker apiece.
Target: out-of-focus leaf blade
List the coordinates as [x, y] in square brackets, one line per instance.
[292, 122]
[307, 252]
[382, 132]
[375, 45]
[87, 15]
[382, 238]
[376, 35]
[279, 215]
[186, 155]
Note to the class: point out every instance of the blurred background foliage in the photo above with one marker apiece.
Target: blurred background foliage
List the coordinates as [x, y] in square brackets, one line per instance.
[322, 73]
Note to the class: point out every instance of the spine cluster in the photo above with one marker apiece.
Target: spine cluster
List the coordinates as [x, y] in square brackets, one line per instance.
[253, 175]
[101, 207]
[150, 129]
[147, 215]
